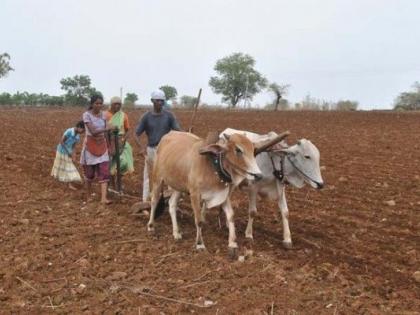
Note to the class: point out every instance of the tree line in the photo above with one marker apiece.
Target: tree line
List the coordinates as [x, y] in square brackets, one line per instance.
[236, 80]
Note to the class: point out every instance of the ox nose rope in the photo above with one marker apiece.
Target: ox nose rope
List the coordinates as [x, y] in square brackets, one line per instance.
[301, 172]
[256, 176]
[279, 173]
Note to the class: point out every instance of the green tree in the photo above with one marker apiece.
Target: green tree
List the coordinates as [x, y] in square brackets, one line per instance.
[54, 100]
[5, 67]
[170, 91]
[19, 98]
[5, 99]
[279, 91]
[188, 101]
[30, 99]
[130, 98]
[346, 105]
[78, 89]
[409, 100]
[237, 79]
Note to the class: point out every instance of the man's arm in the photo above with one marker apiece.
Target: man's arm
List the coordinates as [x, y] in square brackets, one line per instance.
[174, 122]
[141, 127]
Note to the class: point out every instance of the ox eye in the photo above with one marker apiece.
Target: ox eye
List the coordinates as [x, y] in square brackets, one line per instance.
[238, 151]
[307, 157]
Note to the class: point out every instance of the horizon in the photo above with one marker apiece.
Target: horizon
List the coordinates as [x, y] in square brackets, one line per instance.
[364, 51]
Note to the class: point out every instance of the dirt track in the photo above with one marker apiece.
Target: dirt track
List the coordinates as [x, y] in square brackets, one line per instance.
[353, 254]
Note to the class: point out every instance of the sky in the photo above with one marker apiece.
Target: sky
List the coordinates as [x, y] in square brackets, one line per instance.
[362, 50]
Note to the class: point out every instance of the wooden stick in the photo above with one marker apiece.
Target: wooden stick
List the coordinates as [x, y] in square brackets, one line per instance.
[195, 111]
[79, 259]
[52, 305]
[131, 241]
[164, 257]
[26, 283]
[173, 300]
[117, 157]
[126, 297]
[311, 243]
[201, 277]
[53, 280]
[168, 255]
[195, 283]
[123, 194]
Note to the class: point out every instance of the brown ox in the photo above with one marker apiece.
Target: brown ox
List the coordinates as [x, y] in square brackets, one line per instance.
[186, 163]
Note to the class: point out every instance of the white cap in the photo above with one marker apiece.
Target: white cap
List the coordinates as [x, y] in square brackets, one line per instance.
[116, 99]
[158, 95]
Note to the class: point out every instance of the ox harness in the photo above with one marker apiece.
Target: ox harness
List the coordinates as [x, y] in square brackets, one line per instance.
[217, 161]
[225, 177]
[278, 173]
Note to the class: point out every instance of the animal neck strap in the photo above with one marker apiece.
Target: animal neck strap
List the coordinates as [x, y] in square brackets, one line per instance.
[278, 173]
[217, 161]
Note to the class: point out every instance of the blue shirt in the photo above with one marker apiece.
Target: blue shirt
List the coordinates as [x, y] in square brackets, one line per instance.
[156, 125]
[71, 139]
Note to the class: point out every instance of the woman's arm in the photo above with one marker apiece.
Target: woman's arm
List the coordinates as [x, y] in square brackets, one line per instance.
[73, 155]
[95, 131]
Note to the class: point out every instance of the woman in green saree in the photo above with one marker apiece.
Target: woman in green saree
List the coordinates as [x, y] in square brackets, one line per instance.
[120, 119]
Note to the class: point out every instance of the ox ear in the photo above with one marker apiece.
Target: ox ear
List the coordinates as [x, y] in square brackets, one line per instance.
[212, 149]
[227, 137]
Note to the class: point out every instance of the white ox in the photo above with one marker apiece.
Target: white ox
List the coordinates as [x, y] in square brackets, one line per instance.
[296, 165]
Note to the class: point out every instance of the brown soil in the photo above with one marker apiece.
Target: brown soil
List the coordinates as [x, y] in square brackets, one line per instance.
[353, 253]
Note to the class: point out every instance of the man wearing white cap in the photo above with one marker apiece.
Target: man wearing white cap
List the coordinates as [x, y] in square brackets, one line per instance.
[156, 123]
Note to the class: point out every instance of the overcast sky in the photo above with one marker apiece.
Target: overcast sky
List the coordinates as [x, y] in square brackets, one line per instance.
[364, 50]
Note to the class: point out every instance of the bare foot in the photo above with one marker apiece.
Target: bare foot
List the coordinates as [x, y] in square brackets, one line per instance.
[106, 202]
[72, 187]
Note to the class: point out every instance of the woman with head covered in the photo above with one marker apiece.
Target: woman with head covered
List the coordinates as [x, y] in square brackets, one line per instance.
[119, 119]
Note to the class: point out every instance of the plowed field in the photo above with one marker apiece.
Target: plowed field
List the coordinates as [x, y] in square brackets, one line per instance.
[356, 242]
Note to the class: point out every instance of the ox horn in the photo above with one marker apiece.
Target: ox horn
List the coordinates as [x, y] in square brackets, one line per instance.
[270, 143]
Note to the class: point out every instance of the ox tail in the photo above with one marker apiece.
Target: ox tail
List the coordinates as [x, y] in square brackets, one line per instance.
[160, 207]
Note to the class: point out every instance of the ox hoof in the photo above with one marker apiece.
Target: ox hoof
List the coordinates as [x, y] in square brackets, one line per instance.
[177, 236]
[233, 253]
[200, 247]
[249, 237]
[287, 244]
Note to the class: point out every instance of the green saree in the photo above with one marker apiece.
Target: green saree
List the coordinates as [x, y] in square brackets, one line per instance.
[126, 151]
